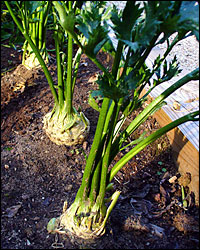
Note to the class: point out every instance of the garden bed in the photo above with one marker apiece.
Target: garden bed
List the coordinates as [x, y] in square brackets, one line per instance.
[38, 175]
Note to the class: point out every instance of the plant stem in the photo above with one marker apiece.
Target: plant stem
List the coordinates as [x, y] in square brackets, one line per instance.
[82, 192]
[117, 59]
[126, 63]
[106, 157]
[59, 70]
[75, 65]
[183, 197]
[147, 51]
[101, 67]
[41, 23]
[34, 30]
[115, 68]
[68, 89]
[95, 181]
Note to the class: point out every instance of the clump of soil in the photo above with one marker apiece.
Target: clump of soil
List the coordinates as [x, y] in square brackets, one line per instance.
[38, 175]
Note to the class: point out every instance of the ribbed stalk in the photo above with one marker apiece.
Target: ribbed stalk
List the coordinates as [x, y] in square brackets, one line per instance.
[117, 59]
[112, 111]
[126, 63]
[106, 157]
[147, 52]
[41, 23]
[59, 67]
[75, 66]
[34, 30]
[68, 87]
[94, 186]
[82, 192]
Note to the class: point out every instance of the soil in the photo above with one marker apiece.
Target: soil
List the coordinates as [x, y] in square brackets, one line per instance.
[38, 175]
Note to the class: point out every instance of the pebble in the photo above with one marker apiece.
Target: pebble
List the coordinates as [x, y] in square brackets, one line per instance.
[145, 175]
[25, 196]
[85, 144]
[6, 166]
[28, 242]
[36, 218]
[68, 187]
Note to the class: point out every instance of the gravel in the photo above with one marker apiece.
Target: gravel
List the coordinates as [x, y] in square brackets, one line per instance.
[186, 51]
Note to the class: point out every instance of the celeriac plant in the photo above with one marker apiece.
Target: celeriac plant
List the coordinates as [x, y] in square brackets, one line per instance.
[34, 16]
[138, 30]
[64, 124]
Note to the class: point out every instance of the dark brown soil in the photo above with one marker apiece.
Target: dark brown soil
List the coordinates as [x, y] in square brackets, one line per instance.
[38, 176]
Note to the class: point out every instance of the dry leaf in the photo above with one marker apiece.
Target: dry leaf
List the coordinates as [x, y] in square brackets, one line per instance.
[185, 179]
[93, 78]
[159, 231]
[12, 211]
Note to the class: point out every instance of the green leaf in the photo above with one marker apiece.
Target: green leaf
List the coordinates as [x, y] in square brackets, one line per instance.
[132, 80]
[52, 225]
[32, 5]
[170, 70]
[70, 22]
[133, 45]
[92, 103]
[93, 27]
[170, 25]
[8, 148]
[67, 20]
[123, 24]
[5, 35]
[108, 47]
[97, 38]
[113, 91]
[97, 93]
[149, 25]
